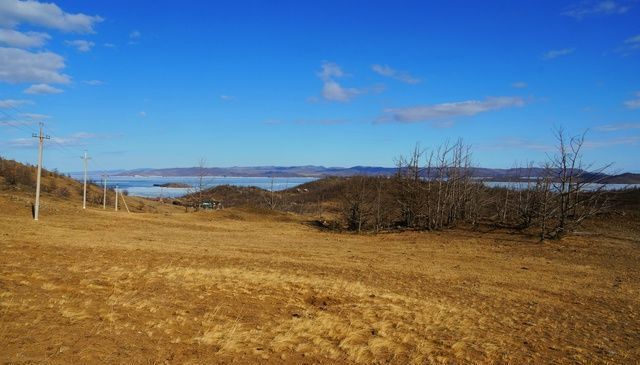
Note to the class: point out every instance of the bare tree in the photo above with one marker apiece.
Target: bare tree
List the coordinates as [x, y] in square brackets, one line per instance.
[578, 187]
[356, 203]
[196, 192]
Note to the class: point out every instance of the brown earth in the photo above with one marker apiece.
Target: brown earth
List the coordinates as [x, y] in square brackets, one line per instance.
[235, 286]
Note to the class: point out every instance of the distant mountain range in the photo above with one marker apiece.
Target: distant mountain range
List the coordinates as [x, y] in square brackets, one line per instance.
[511, 174]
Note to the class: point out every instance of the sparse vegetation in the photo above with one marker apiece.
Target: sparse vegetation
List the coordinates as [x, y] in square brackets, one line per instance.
[435, 190]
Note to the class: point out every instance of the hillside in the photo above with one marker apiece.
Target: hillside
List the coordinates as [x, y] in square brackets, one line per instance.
[511, 174]
[19, 181]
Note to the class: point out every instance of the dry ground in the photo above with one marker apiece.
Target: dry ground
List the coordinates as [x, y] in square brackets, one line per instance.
[237, 287]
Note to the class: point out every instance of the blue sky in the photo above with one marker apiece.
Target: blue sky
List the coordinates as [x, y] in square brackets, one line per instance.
[341, 83]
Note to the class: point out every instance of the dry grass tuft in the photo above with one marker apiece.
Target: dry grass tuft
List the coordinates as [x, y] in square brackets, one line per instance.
[241, 286]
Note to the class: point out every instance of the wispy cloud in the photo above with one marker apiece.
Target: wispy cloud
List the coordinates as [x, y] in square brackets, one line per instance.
[306, 121]
[134, 37]
[80, 44]
[227, 97]
[449, 111]
[35, 116]
[595, 8]
[387, 71]
[558, 53]
[320, 121]
[42, 89]
[49, 15]
[630, 45]
[617, 127]
[14, 38]
[331, 89]
[633, 103]
[142, 114]
[93, 82]
[516, 143]
[16, 123]
[621, 141]
[519, 85]
[78, 139]
[13, 103]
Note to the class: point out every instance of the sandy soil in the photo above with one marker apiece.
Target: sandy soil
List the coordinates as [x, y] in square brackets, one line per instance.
[237, 287]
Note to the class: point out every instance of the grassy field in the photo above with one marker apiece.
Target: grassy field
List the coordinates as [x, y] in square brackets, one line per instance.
[237, 286]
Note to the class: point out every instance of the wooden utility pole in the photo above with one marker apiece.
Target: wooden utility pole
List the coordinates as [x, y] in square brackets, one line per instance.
[41, 137]
[116, 198]
[84, 195]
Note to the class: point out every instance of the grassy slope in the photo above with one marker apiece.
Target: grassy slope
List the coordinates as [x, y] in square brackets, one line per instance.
[236, 287]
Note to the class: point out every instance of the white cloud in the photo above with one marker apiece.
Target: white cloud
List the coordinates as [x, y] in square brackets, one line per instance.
[630, 45]
[387, 71]
[593, 8]
[76, 139]
[635, 40]
[143, 114]
[93, 82]
[134, 37]
[617, 127]
[331, 89]
[435, 112]
[330, 70]
[630, 140]
[558, 53]
[18, 39]
[519, 85]
[49, 15]
[109, 45]
[83, 135]
[515, 143]
[42, 89]
[633, 103]
[18, 65]
[12, 103]
[320, 121]
[80, 44]
[16, 123]
[227, 97]
[35, 116]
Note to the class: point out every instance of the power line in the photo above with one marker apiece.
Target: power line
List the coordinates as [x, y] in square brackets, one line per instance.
[55, 140]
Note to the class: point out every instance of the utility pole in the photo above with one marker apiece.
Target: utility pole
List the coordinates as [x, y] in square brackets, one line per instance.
[41, 137]
[104, 194]
[84, 196]
[116, 198]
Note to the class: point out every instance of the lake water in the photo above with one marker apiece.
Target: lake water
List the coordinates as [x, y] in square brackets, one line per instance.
[143, 185]
[523, 185]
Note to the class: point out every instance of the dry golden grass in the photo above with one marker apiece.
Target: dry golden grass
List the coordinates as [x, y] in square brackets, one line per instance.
[236, 287]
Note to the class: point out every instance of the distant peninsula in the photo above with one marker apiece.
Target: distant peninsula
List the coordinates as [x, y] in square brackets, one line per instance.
[173, 185]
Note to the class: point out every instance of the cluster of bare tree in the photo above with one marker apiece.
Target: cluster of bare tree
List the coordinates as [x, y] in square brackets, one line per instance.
[430, 191]
[16, 174]
[562, 197]
[436, 190]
